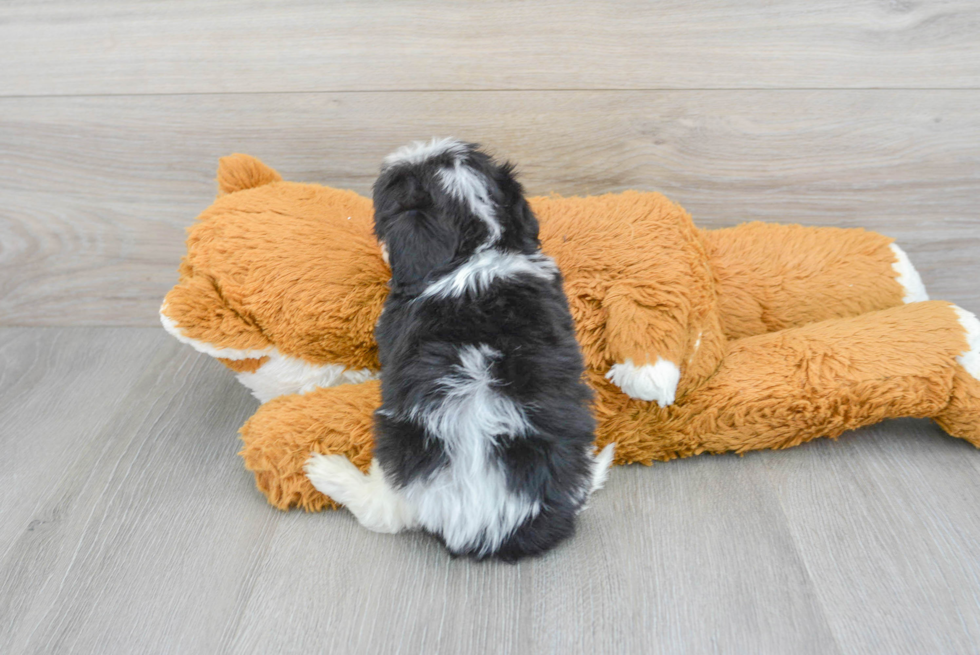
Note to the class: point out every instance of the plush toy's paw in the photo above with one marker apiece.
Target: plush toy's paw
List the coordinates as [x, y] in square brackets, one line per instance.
[961, 417]
[369, 497]
[970, 359]
[647, 382]
[908, 277]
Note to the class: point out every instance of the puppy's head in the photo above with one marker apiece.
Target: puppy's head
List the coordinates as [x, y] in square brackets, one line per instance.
[437, 203]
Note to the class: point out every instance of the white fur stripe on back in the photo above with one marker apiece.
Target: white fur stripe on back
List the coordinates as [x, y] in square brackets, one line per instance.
[469, 186]
[486, 267]
[468, 502]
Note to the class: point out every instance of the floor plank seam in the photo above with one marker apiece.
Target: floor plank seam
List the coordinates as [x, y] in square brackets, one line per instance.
[720, 89]
[811, 583]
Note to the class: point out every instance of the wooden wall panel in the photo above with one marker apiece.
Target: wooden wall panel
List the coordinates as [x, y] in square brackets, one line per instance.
[97, 190]
[188, 46]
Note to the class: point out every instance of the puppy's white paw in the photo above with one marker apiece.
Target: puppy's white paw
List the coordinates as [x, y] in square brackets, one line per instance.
[369, 497]
[602, 463]
[970, 359]
[335, 476]
[647, 382]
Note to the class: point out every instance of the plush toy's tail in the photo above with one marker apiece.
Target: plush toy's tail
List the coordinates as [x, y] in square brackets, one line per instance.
[238, 172]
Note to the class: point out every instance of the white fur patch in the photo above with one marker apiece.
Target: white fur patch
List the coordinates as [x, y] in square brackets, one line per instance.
[602, 463]
[202, 346]
[648, 382]
[281, 374]
[600, 470]
[487, 266]
[908, 277]
[370, 498]
[469, 186]
[970, 359]
[468, 501]
[419, 151]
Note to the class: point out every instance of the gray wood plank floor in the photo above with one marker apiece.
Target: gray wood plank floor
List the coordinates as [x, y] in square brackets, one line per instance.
[127, 525]
[127, 522]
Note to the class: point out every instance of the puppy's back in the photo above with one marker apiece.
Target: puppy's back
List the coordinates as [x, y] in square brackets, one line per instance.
[485, 425]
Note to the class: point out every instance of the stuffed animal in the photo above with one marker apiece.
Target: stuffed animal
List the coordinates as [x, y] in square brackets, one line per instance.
[695, 341]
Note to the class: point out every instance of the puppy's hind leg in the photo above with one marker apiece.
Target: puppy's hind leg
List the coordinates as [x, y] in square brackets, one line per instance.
[370, 498]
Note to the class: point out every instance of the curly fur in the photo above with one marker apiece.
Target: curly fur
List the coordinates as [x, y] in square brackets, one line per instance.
[485, 430]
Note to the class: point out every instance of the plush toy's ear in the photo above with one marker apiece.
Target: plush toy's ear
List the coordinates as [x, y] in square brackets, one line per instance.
[238, 172]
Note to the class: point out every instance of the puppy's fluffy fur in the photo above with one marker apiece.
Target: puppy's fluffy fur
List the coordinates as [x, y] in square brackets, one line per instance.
[484, 437]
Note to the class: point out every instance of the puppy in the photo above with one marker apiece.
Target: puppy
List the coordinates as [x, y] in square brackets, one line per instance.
[484, 436]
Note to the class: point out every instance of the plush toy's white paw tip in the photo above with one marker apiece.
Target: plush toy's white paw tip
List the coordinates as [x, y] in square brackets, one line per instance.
[908, 277]
[647, 382]
[970, 359]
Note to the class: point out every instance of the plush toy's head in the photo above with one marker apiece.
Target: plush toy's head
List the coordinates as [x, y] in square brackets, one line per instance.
[281, 281]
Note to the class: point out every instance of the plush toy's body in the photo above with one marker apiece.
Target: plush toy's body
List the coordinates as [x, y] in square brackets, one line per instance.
[758, 336]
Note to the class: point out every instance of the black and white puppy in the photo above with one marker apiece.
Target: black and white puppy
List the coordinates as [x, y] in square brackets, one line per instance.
[485, 435]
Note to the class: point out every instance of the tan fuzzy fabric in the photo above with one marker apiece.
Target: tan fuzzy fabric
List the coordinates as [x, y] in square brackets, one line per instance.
[294, 266]
[244, 365]
[772, 277]
[239, 172]
[781, 333]
[283, 433]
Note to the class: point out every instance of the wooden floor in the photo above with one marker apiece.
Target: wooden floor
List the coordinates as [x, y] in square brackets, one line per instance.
[128, 525]
[127, 522]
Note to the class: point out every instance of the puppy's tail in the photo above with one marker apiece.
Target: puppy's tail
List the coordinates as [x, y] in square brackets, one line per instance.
[602, 462]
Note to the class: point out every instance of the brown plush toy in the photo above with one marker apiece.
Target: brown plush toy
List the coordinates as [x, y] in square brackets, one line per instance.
[757, 336]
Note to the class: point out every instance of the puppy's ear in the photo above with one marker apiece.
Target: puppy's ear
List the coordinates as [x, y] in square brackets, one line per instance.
[522, 225]
[525, 222]
[418, 243]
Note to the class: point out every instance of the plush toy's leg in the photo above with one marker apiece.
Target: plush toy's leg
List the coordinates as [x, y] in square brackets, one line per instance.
[281, 436]
[781, 389]
[771, 391]
[772, 277]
